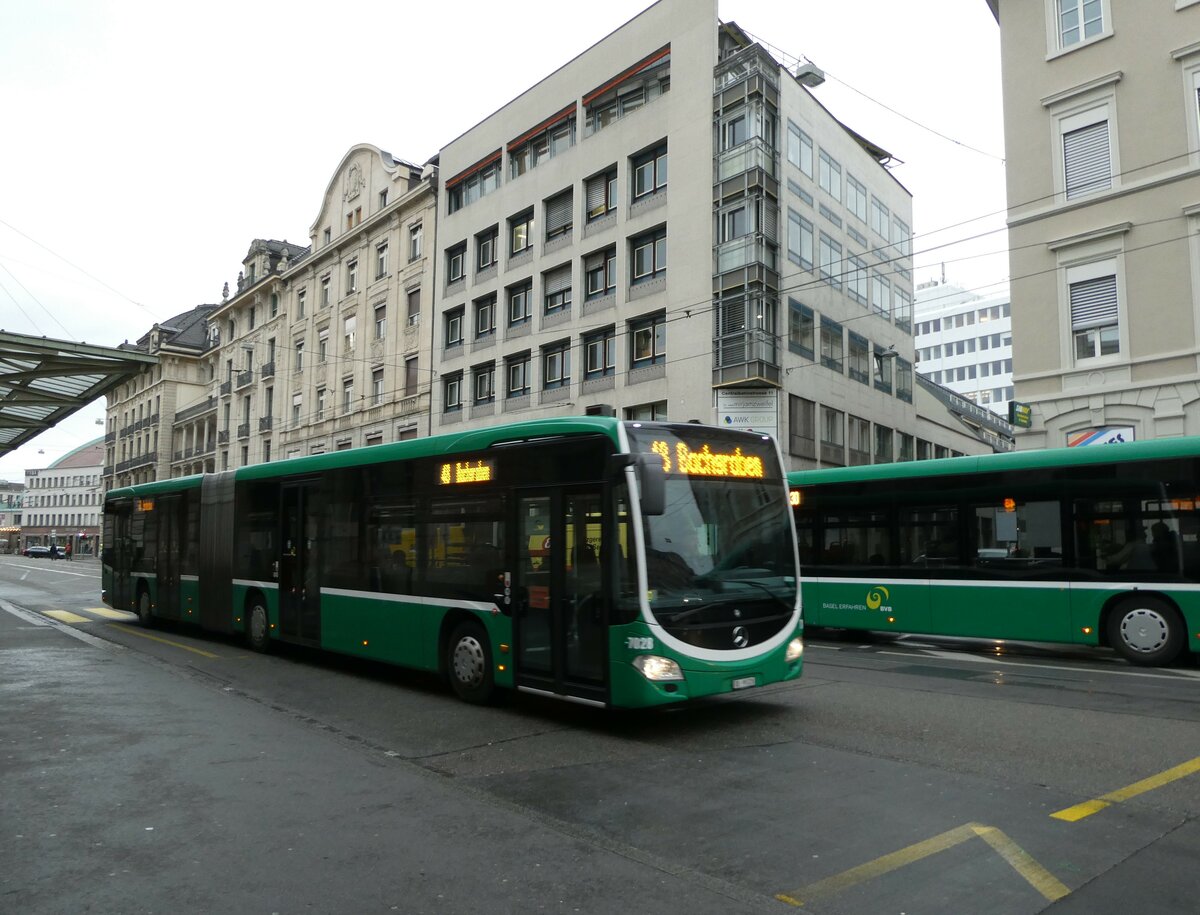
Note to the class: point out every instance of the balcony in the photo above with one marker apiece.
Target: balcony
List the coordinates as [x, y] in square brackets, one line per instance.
[244, 378]
[199, 409]
[243, 431]
[264, 423]
[268, 369]
[226, 388]
[752, 154]
[223, 437]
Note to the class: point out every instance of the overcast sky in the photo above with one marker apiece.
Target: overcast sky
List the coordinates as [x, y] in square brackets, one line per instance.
[146, 144]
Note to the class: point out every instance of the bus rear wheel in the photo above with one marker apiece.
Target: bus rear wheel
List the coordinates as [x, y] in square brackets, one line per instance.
[258, 627]
[1146, 631]
[469, 663]
[144, 610]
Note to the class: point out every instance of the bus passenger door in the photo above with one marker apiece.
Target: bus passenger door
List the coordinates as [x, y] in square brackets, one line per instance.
[299, 563]
[117, 554]
[560, 622]
[166, 566]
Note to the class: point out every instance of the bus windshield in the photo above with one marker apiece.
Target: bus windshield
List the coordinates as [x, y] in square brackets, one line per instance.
[724, 540]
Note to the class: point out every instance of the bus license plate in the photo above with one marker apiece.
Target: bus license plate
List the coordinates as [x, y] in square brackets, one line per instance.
[744, 682]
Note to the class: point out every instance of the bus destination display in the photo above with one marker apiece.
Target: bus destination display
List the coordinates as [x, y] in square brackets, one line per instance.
[704, 462]
[453, 473]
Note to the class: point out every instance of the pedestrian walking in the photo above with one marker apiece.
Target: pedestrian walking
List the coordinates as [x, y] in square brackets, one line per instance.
[68, 551]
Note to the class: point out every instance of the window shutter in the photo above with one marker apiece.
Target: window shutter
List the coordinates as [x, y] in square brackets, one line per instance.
[1094, 302]
[596, 197]
[1086, 159]
[557, 280]
[770, 222]
[558, 213]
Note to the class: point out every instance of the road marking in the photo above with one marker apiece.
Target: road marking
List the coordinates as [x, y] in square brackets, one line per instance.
[66, 616]
[155, 638]
[1087, 808]
[111, 614]
[1024, 864]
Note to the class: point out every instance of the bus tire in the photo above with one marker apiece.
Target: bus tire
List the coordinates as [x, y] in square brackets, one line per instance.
[145, 612]
[469, 663]
[258, 626]
[1146, 631]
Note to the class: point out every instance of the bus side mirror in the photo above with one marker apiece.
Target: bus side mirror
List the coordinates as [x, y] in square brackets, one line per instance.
[652, 484]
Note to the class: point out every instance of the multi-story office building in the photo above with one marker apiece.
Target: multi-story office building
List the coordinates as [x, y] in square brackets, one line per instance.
[1101, 126]
[64, 502]
[141, 413]
[671, 226]
[964, 342]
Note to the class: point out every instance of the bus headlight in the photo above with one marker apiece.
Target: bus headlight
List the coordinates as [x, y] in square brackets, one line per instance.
[657, 669]
[795, 650]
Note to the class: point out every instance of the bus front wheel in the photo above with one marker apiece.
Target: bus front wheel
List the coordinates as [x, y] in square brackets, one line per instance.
[469, 663]
[258, 626]
[1146, 631]
[144, 610]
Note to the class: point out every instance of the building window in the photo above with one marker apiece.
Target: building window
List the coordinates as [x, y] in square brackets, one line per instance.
[556, 289]
[352, 277]
[833, 435]
[456, 262]
[648, 338]
[485, 248]
[452, 393]
[600, 353]
[880, 219]
[485, 316]
[649, 172]
[518, 303]
[484, 383]
[858, 440]
[800, 149]
[546, 143]
[734, 223]
[883, 444]
[1079, 20]
[520, 232]
[831, 344]
[859, 359]
[410, 376]
[298, 358]
[348, 327]
[883, 369]
[648, 412]
[1095, 323]
[904, 382]
[556, 365]
[801, 329]
[414, 306]
[856, 279]
[600, 272]
[454, 327]
[829, 175]
[383, 198]
[347, 395]
[649, 255]
[377, 386]
[601, 194]
[415, 241]
[381, 260]
[300, 297]
[881, 295]
[802, 427]
[517, 372]
[902, 309]
[380, 321]
[479, 183]
[800, 240]
[559, 209]
[296, 409]
[830, 254]
[325, 291]
[856, 197]
[636, 87]
[322, 346]
[1087, 155]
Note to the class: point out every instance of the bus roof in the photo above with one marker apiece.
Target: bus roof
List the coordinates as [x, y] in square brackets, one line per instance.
[430, 446]
[995, 463]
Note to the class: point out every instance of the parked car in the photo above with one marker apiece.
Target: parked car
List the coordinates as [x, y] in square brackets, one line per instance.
[36, 552]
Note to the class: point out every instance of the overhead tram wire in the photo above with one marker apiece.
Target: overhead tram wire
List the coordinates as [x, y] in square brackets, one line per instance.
[53, 317]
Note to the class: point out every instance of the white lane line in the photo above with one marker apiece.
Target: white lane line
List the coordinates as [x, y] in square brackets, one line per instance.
[37, 619]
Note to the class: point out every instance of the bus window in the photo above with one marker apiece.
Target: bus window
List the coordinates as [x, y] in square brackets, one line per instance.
[464, 544]
[1016, 535]
[929, 536]
[856, 538]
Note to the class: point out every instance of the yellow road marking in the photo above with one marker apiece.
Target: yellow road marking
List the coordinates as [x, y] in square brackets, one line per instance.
[110, 613]
[1036, 875]
[1087, 808]
[155, 638]
[66, 616]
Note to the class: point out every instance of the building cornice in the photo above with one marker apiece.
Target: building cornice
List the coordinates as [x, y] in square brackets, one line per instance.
[1066, 95]
[1186, 51]
[1071, 241]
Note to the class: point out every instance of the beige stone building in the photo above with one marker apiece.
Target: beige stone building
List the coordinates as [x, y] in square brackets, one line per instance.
[1100, 112]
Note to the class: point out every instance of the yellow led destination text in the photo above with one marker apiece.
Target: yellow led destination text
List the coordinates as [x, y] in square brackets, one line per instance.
[708, 463]
[145, 505]
[466, 472]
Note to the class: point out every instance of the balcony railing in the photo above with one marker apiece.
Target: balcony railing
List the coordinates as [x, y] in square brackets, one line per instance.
[199, 409]
[223, 437]
[268, 369]
[264, 423]
[244, 378]
[226, 387]
[243, 430]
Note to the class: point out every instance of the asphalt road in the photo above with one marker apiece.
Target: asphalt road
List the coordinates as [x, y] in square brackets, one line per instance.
[166, 771]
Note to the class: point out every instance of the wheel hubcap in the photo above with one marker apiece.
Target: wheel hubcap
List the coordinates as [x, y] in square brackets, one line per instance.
[468, 661]
[258, 624]
[1144, 630]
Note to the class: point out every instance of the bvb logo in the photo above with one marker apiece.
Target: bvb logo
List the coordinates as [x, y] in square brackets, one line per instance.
[876, 597]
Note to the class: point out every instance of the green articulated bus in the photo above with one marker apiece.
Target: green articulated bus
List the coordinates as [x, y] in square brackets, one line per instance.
[1095, 546]
[612, 563]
